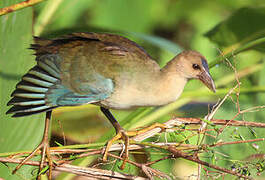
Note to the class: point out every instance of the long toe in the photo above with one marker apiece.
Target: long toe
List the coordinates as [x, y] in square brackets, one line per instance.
[121, 135]
[45, 154]
[117, 137]
[34, 152]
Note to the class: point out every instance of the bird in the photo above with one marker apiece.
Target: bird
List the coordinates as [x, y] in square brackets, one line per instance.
[103, 69]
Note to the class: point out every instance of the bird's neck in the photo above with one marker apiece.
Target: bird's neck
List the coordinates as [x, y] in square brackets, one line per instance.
[169, 86]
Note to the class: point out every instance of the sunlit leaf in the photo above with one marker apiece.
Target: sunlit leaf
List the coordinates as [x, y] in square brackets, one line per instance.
[16, 133]
[241, 27]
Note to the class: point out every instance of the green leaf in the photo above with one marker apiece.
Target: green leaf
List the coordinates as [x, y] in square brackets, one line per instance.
[162, 43]
[241, 27]
[16, 133]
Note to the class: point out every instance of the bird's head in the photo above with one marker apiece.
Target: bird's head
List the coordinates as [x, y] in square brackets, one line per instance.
[192, 65]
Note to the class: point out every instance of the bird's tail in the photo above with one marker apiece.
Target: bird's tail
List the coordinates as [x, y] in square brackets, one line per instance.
[29, 95]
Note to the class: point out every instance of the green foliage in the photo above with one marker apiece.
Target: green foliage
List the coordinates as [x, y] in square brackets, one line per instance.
[164, 28]
[241, 27]
[20, 133]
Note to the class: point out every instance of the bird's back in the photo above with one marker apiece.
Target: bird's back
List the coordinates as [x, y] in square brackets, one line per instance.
[111, 43]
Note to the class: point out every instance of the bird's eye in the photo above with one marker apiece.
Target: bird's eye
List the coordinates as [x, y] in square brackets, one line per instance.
[196, 66]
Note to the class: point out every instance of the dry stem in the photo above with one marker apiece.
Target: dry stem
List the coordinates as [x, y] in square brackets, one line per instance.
[82, 171]
[18, 6]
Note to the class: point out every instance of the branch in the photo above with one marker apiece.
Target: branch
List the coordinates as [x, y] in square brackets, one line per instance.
[236, 142]
[82, 171]
[87, 152]
[189, 121]
[174, 148]
[18, 6]
[193, 121]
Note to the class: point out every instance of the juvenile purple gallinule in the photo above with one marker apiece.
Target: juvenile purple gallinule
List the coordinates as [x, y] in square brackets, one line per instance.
[103, 69]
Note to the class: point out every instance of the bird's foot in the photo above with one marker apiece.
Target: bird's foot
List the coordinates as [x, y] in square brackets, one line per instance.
[124, 135]
[45, 148]
[121, 134]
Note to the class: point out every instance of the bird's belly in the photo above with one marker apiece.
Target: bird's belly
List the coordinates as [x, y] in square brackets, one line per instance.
[127, 99]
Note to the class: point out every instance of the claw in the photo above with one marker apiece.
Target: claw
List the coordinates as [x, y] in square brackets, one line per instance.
[121, 134]
[109, 144]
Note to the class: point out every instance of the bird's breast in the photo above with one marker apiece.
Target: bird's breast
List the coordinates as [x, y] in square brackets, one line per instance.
[144, 93]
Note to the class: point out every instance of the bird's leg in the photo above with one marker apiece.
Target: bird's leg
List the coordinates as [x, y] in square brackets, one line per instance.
[120, 134]
[44, 147]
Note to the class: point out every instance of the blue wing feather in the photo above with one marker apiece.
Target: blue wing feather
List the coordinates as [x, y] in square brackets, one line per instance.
[60, 95]
[41, 89]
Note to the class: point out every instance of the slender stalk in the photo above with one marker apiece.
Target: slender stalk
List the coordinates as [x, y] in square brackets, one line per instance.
[45, 16]
[18, 6]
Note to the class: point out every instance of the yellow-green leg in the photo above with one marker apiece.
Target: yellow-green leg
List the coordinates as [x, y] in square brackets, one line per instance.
[124, 135]
[44, 147]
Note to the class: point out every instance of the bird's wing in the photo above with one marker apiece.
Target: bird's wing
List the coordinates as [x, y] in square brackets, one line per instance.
[41, 89]
[116, 44]
[113, 44]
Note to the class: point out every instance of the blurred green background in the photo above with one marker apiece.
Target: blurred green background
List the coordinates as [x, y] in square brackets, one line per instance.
[217, 29]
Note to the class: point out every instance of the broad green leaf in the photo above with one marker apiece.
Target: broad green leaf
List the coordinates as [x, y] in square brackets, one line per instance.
[243, 26]
[159, 42]
[16, 134]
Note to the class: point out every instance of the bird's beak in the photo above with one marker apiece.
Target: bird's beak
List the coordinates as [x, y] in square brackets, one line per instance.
[206, 78]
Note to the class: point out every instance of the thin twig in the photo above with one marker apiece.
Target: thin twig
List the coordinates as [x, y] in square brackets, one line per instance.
[237, 142]
[18, 6]
[146, 169]
[155, 161]
[189, 121]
